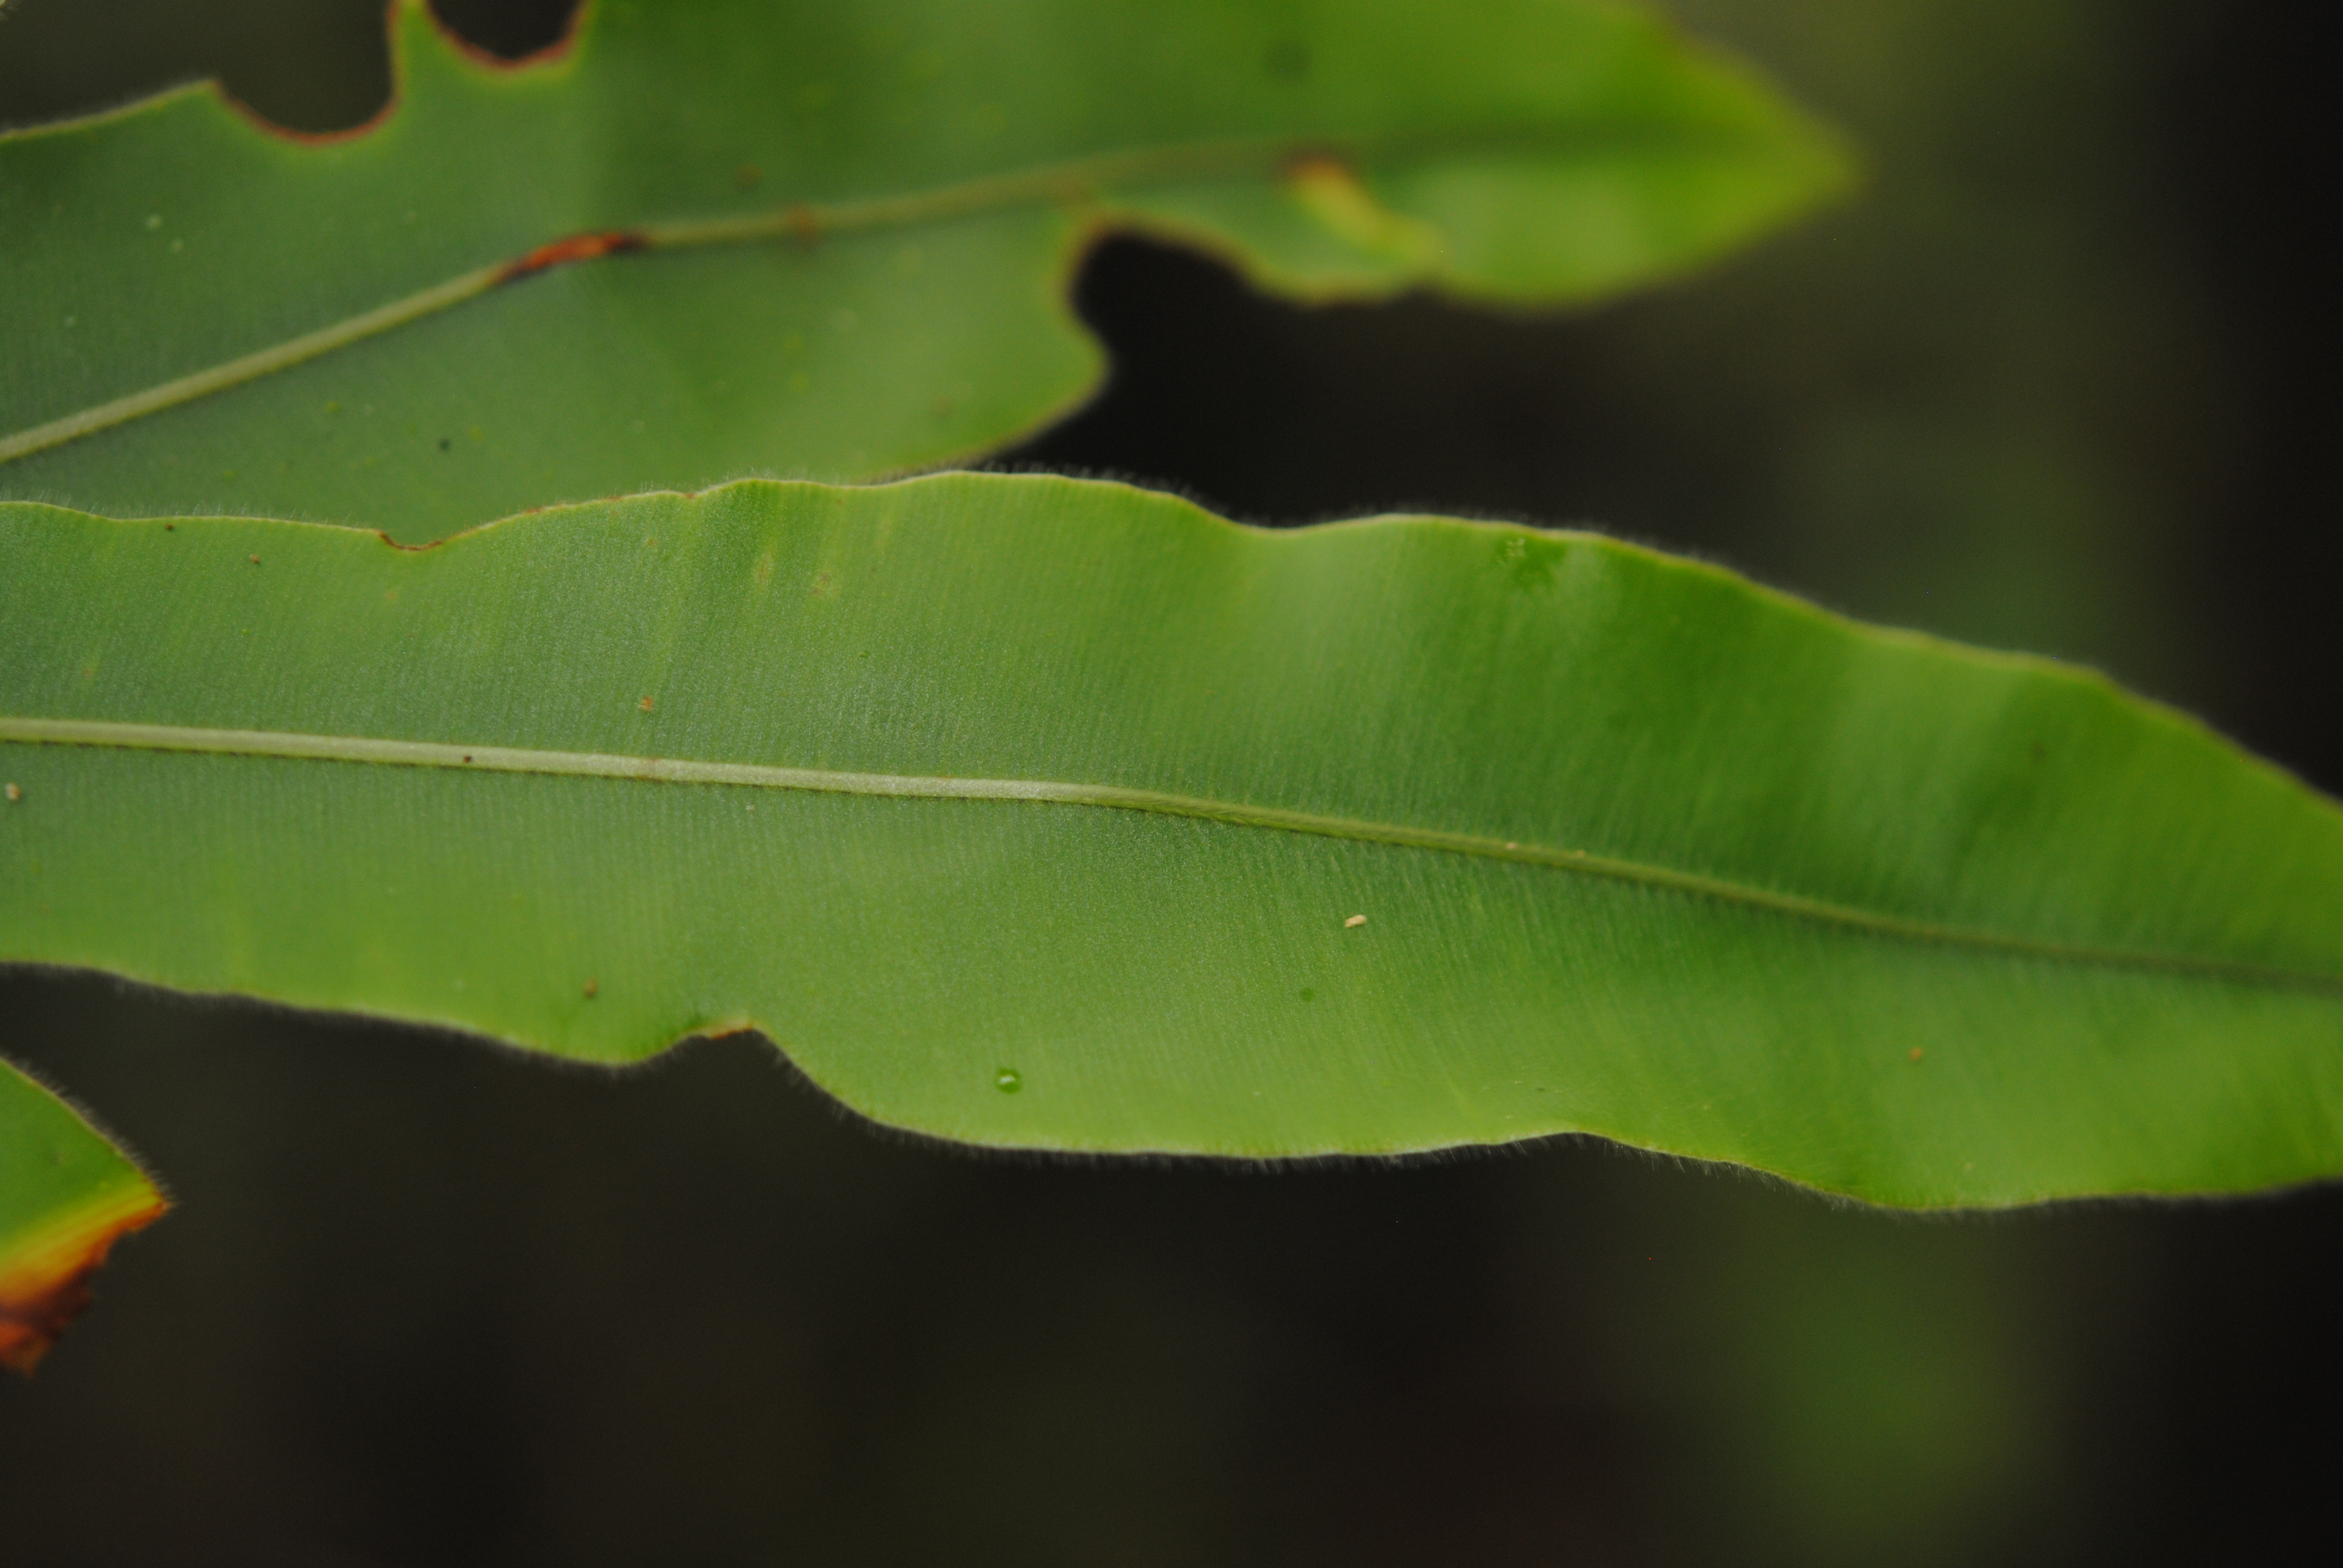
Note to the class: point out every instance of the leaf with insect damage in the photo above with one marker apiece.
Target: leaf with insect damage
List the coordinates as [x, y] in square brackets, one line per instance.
[698, 241]
[1041, 813]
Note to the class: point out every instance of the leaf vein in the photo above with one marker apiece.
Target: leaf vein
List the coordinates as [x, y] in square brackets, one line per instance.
[348, 748]
[1070, 182]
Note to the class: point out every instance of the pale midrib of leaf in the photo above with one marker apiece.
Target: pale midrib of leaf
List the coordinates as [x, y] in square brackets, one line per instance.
[364, 749]
[1072, 182]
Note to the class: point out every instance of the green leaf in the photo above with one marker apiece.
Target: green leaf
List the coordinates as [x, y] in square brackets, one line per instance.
[66, 1195]
[1048, 814]
[831, 241]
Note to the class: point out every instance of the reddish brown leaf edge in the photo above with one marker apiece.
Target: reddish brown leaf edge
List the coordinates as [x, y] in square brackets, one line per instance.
[45, 1275]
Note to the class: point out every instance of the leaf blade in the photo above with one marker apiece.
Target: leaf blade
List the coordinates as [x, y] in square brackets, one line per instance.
[1144, 973]
[942, 245]
[66, 1195]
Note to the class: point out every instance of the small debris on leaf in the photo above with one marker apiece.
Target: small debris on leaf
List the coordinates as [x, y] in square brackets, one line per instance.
[254, 559]
[1916, 1053]
[645, 704]
[1355, 920]
[14, 793]
[577, 247]
[593, 989]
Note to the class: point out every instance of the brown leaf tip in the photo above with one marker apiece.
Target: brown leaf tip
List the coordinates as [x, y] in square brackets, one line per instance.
[44, 1281]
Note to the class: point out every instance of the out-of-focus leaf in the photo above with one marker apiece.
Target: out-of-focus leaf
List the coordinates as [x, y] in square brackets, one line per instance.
[736, 235]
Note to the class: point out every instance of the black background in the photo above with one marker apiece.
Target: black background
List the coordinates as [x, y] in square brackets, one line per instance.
[2060, 378]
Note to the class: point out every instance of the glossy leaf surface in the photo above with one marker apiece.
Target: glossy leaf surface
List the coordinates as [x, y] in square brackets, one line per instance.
[1047, 814]
[738, 235]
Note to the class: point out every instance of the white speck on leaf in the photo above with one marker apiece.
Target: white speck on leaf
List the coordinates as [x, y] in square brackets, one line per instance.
[1354, 921]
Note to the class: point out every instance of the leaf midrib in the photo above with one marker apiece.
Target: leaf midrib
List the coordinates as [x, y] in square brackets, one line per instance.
[1072, 182]
[363, 749]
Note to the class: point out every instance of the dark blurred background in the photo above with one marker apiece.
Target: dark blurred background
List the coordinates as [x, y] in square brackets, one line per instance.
[2058, 380]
